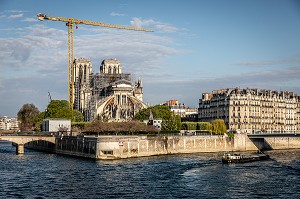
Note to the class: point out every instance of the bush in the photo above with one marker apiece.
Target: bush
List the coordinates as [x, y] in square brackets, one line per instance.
[189, 126]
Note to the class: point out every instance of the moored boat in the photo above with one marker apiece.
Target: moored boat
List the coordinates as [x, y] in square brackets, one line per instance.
[238, 158]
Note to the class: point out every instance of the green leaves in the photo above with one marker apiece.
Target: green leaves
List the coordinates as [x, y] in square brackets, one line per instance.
[170, 121]
[219, 127]
[60, 109]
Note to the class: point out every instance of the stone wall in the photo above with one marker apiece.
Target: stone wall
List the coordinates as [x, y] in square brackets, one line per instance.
[76, 146]
[283, 142]
[138, 146]
[115, 147]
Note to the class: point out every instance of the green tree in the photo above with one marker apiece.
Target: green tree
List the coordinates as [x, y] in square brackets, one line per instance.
[26, 116]
[38, 121]
[77, 116]
[219, 127]
[189, 125]
[60, 109]
[99, 127]
[205, 126]
[170, 121]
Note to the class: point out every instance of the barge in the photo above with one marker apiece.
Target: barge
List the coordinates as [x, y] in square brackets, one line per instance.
[238, 158]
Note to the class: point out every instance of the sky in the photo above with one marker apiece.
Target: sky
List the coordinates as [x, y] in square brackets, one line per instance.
[197, 46]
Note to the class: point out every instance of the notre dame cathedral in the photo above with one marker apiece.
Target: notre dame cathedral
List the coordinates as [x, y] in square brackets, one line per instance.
[108, 95]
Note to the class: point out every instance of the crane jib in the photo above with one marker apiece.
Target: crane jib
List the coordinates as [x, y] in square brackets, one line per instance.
[70, 23]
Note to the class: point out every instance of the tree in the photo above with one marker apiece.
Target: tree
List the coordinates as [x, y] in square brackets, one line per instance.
[205, 126]
[100, 127]
[171, 123]
[26, 116]
[219, 127]
[77, 116]
[38, 121]
[60, 109]
[169, 120]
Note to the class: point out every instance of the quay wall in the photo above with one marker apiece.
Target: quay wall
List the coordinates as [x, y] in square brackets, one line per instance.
[77, 146]
[112, 147]
[116, 147]
[283, 142]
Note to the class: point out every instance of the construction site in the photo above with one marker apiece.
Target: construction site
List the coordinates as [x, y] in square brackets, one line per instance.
[108, 95]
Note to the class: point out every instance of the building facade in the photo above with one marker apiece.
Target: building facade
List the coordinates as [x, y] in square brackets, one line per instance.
[180, 109]
[252, 110]
[56, 125]
[9, 124]
[108, 95]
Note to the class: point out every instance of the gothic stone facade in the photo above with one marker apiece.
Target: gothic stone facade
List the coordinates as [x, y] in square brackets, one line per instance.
[252, 110]
[108, 95]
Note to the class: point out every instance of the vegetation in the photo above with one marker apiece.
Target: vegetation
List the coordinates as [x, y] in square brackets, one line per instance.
[170, 121]
[60, 109]
[31, 118]
[202, 126]
[99, 127]
[216, 126]
[230, 135]
[219, 127]
[26, 116]
[189, 126]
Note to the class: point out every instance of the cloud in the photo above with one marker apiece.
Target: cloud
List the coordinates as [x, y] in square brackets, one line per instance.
[16, 16]
[30, 20]
[138, 22]
[115, 14]
[188, 90]
[36, 61]
[285, 60]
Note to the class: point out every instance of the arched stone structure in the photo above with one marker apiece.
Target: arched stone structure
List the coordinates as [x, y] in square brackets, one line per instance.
[109, 94]
[21, 140]
[121, 105]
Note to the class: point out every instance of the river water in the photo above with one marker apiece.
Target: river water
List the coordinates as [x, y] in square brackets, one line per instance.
[202, 175]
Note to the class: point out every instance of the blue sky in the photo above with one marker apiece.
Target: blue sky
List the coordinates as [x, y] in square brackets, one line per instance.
[198, 46]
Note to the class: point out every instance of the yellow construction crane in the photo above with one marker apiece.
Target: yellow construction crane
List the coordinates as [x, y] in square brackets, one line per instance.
[70, 22]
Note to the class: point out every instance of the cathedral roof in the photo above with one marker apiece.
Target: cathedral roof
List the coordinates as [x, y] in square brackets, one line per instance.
[122, 83]
[110, 61]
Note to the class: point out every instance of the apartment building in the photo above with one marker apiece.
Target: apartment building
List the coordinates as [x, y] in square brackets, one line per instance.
[7, 123]
[180, 109]
[252, 110]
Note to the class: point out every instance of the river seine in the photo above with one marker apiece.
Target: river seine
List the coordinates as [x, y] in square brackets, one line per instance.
[202, 175]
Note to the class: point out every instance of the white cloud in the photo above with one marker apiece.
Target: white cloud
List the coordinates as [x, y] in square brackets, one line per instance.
[138, 22]
[39, 58]
[15, 16]
[115, 14]
[37, 63]
[30, 20]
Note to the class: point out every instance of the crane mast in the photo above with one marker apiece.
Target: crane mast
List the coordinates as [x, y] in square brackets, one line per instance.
[70, 22]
